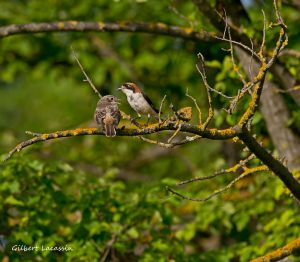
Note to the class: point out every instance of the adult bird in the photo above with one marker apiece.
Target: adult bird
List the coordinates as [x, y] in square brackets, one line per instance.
[138, 100]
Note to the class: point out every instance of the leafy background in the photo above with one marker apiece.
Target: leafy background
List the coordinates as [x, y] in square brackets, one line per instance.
[85, 191]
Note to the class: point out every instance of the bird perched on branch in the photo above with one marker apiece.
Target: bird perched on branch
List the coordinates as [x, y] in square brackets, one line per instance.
[108, 115]
[139, 102]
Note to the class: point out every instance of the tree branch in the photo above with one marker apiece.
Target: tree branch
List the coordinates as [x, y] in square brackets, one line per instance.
[238, 34]
[275, 165]
[236, 12]
[280, 253]
[246, 173]
[198, 130]
[82, 26]
[233, 169]
[151, 129]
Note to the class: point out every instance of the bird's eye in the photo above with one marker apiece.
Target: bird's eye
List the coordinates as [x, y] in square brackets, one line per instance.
[111, 99]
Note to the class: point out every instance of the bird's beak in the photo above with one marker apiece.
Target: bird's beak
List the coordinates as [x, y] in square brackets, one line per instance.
[120, 88]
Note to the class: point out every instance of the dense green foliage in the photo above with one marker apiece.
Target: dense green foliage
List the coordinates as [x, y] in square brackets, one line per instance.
[55, 204]
[84, 192]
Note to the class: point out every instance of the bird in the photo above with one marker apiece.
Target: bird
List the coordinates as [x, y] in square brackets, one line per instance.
[138, 100]
[107, 114]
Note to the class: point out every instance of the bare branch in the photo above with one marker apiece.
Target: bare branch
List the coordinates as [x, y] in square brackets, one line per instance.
[283, 38]
[160, 108]
[245, 47]
[196, 105]
[175, 134]
[84, 73]
[290, 52]
[108, 247]
[154, 128]
[280, 253]
[221, 172]
[192, 23]
[295, 88]
[274, 164]
[156, 142]
[247, 172]
[260, 53]
[124, 26]
[251, 61]
[208, 88]
[168, 144]
[235, 67]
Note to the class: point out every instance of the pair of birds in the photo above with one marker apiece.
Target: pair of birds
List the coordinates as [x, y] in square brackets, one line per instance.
[108, 115]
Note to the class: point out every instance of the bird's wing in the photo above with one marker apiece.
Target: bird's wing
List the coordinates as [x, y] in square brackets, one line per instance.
[116, 114]
[150, 102]
[99, 115]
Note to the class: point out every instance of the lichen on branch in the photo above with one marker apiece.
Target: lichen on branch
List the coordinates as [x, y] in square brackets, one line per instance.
[280, 253]
[151, 129]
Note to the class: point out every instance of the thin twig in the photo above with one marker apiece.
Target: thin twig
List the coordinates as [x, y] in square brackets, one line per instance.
[260, 53]
[156, 142]
[247, 48]
[188, 139]
[196, 105]
[293, 89]
[260, 77]
[192, 24]
[235, 67]
[251, 61]
[175, 134]
[160, 108]
[86, 76]
[108, 247]
[283, 38]
[290, 52]
[221, 172]
[247, 172]
[204, 79]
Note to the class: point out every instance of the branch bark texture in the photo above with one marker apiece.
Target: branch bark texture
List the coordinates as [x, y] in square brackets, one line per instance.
[275, 165]
[80, 26]
[192, 129]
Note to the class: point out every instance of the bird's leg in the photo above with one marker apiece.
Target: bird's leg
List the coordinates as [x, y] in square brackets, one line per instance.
[148, 116]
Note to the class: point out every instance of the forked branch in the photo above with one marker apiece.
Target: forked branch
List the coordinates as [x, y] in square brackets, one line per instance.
[247, 172]
[178, 124]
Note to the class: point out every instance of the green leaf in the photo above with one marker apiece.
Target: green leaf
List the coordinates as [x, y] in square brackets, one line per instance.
[13, 201]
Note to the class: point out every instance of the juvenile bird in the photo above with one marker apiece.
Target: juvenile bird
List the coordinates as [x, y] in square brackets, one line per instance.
[139, 102]
[108, 115]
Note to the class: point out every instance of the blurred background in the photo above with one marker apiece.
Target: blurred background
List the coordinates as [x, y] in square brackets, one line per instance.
[106, 198]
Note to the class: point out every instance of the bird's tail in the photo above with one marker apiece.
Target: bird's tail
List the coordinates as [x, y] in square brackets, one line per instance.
[110, 130]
